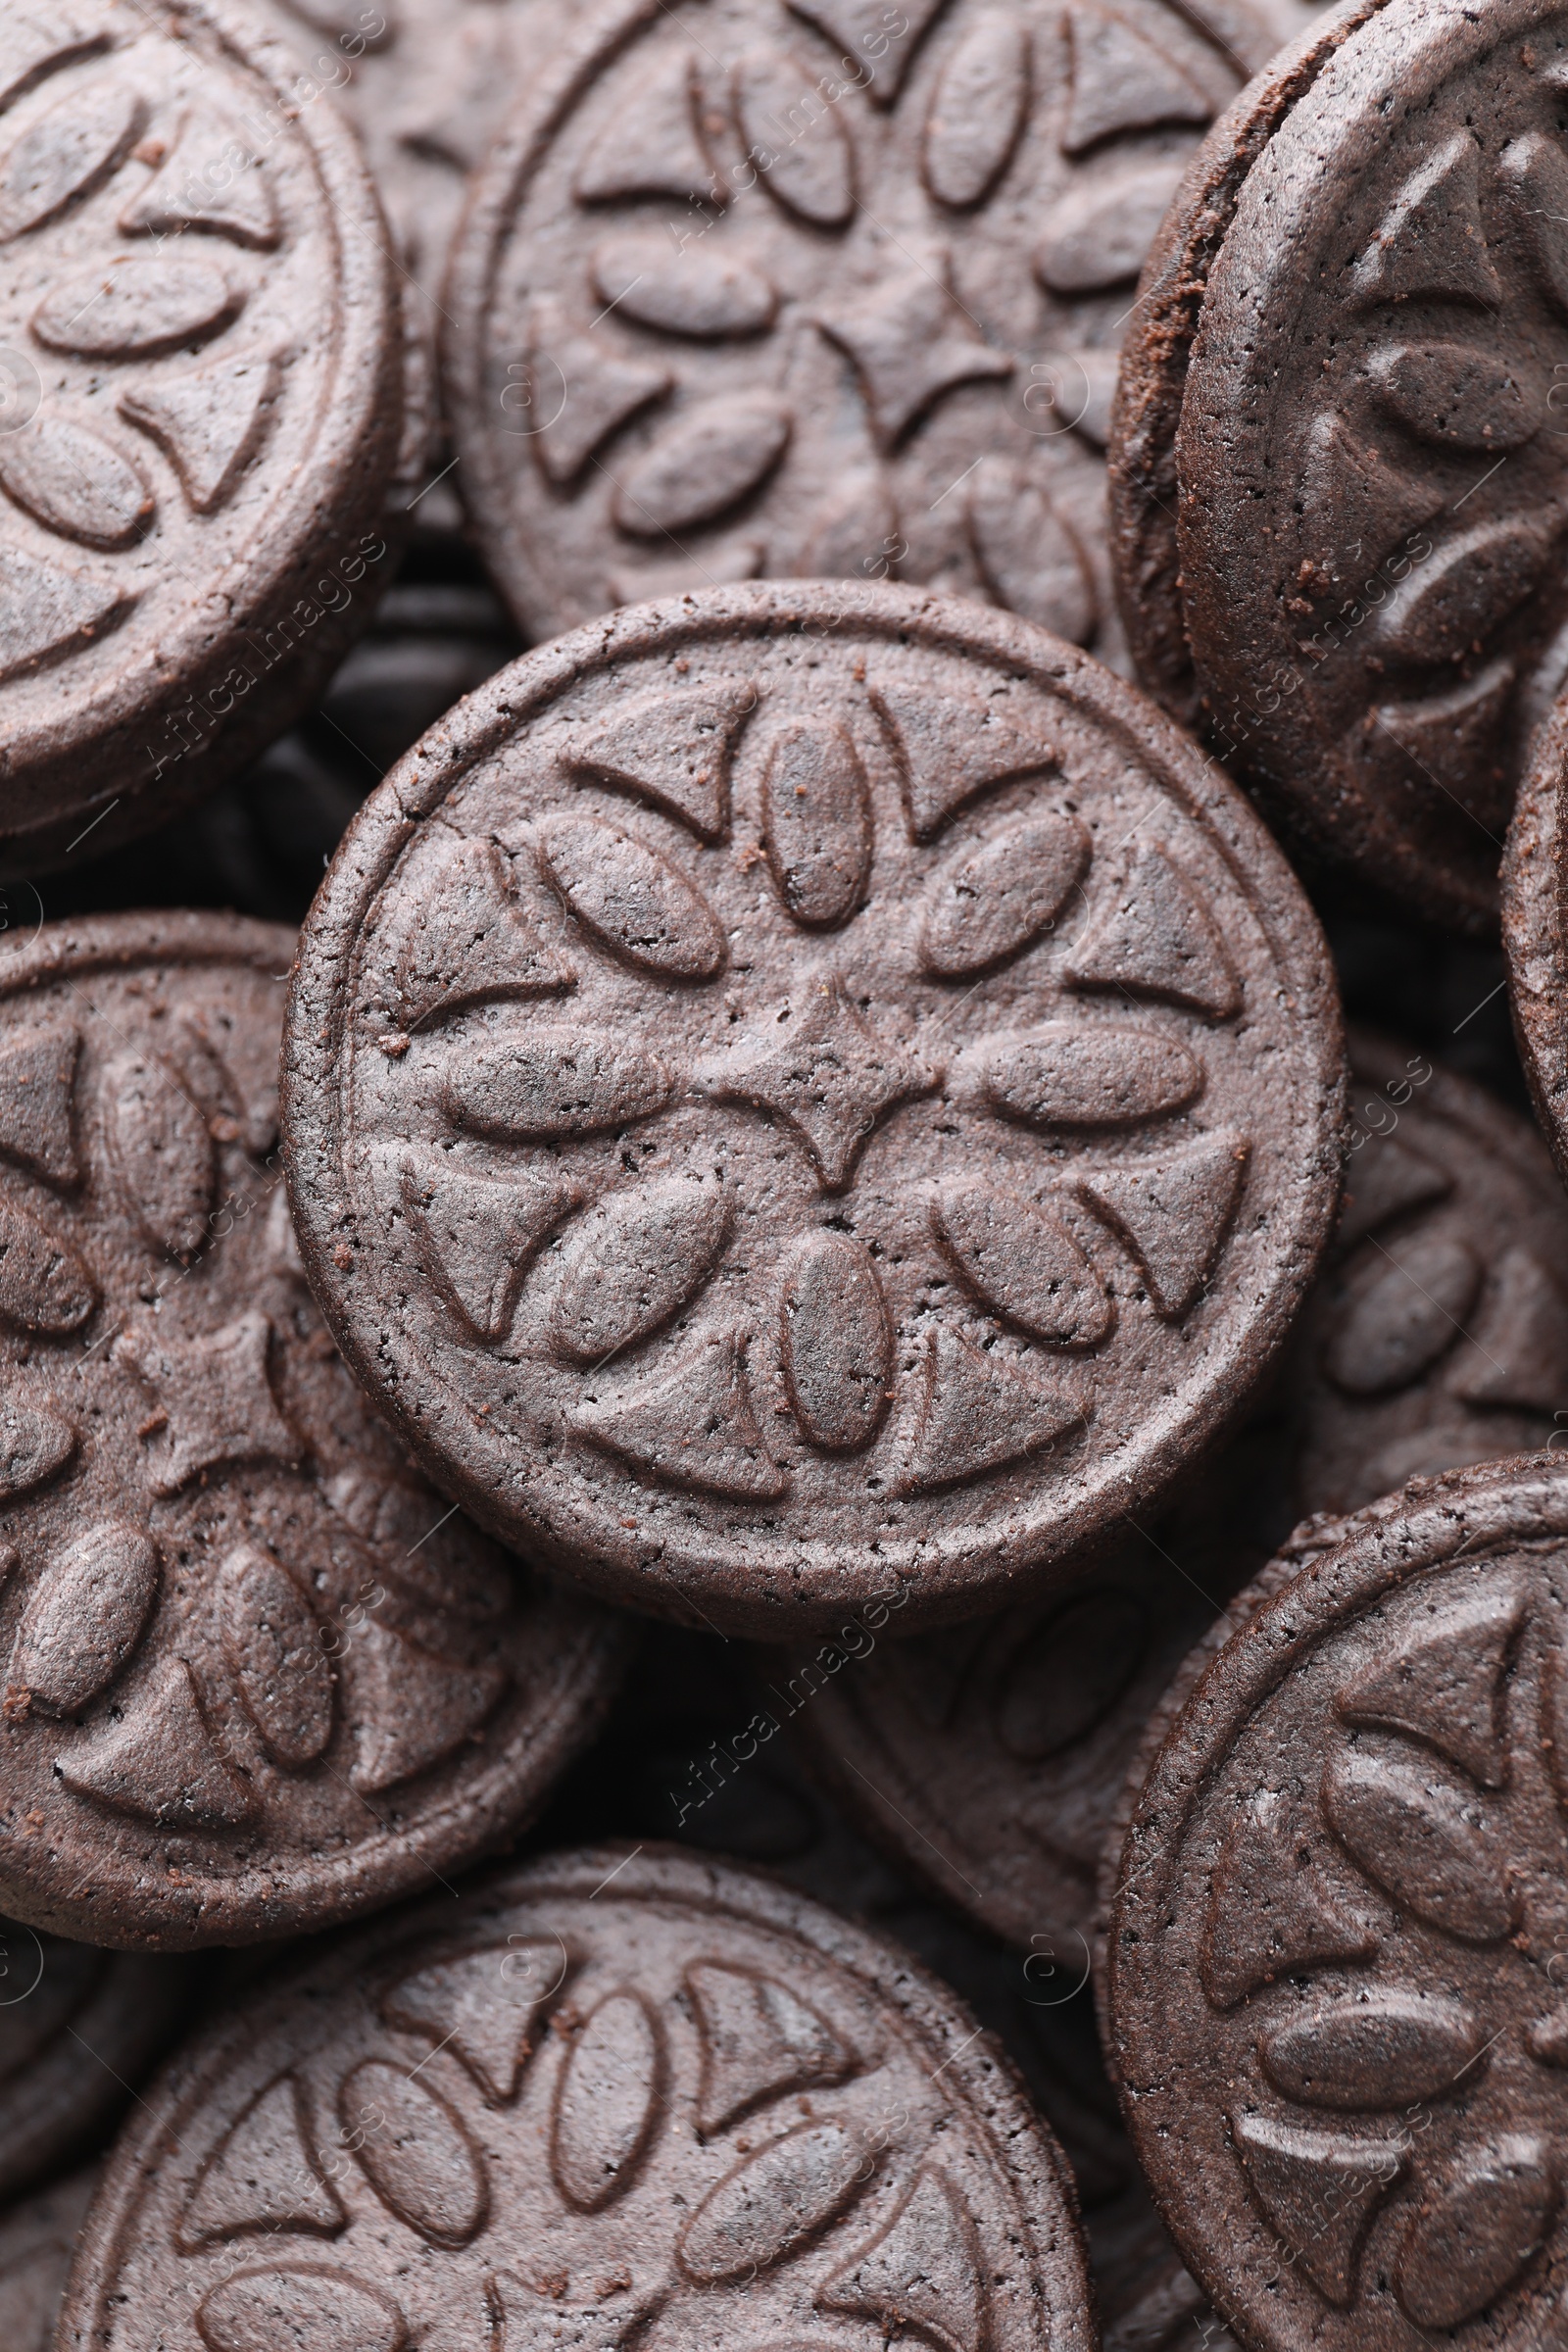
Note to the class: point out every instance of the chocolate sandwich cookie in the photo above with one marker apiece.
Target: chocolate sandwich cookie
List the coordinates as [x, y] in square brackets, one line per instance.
[801, 1098]
[256, 1674]
[426, 84]
[1333, 1959]
[1437, 1336]
[1341, 384]
[202, 410]
[615, 2093]
[833, 290]
[987, 1756]
[37, 2240]
[79, 2029]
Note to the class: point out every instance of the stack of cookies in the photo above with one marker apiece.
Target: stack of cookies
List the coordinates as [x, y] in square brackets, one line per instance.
[774, 1539]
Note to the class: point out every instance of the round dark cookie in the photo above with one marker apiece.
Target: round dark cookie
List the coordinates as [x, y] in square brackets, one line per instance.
[826, 289]
[1534, 933]
[1368, 460]
[202, 410]
[80, 2028]
[987, 1757]
[256, 1674]
[37, 2240]
[617, 2091]
[1333, 1956]
[426, 84]
[1144, 489]
[1437, 1337]
[802, 1095]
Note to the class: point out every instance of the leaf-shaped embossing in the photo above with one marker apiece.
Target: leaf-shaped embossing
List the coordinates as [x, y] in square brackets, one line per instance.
[1271, 1913]
[922, 2272]
[1403, 1319]
[1031, 558]
[770, 2204]
[608, 2103]
[977, 111]
[211, 422]
[158, 1762]
[974, 1413]
[408, 1709]
[816, 820]
[264, 2176]
[212, 177]
[633, 1263]
[35, 1442]
[996, 896]
[1444, 1679]
[671, 749]
[545, 1082]
[1534, 172]
[1472, 583]
[835, 1341]
[1458, 396]
[632, 898]
[1157, 936]
[702, 293]
[710, 456]
[136, 308]
[1172, 1214]
[1381, 2047]
[1320, 2190]
[1023, 1262]
[67, 152]
[272, 1644]
[1065, 1074]
[1474, 2237]
[1099, 238]
[693, 1425]
[757, 2041]
[44, 1285]
[416, 2153]
[305, 2306]
[47, 612]
[1424, 1839]
[812, 172]
[84, 1619]
[162, 1151]
[461, 1574]
[483, 2007]
[74, 482]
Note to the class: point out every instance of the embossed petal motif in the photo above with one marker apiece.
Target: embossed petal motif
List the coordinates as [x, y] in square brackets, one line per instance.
[1374, 2042]
[896, 1097]
[855, 281]
[683, 2106]
[232, 1619]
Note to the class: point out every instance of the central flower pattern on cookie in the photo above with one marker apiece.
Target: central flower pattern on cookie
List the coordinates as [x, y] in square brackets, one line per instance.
[808, 1085]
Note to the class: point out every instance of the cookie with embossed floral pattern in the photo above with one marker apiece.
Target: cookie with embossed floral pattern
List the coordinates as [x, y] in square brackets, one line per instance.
[37, 2240]
[797, 1095]
[832, 288]
[619, 2095]
[1438, 1335]
[1334, 1955]
[79, 2029]
[1339, 476]
[201, 409]
[256, 1674]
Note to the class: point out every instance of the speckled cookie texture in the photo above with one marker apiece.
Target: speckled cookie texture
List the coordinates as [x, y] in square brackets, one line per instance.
[256, 1674]
[798, 1094]
[1535, 930]
[1345, 373]
[201, 365]
[829, 289]
[1438, 1335]
[1332, 1982]
[622, 2094]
